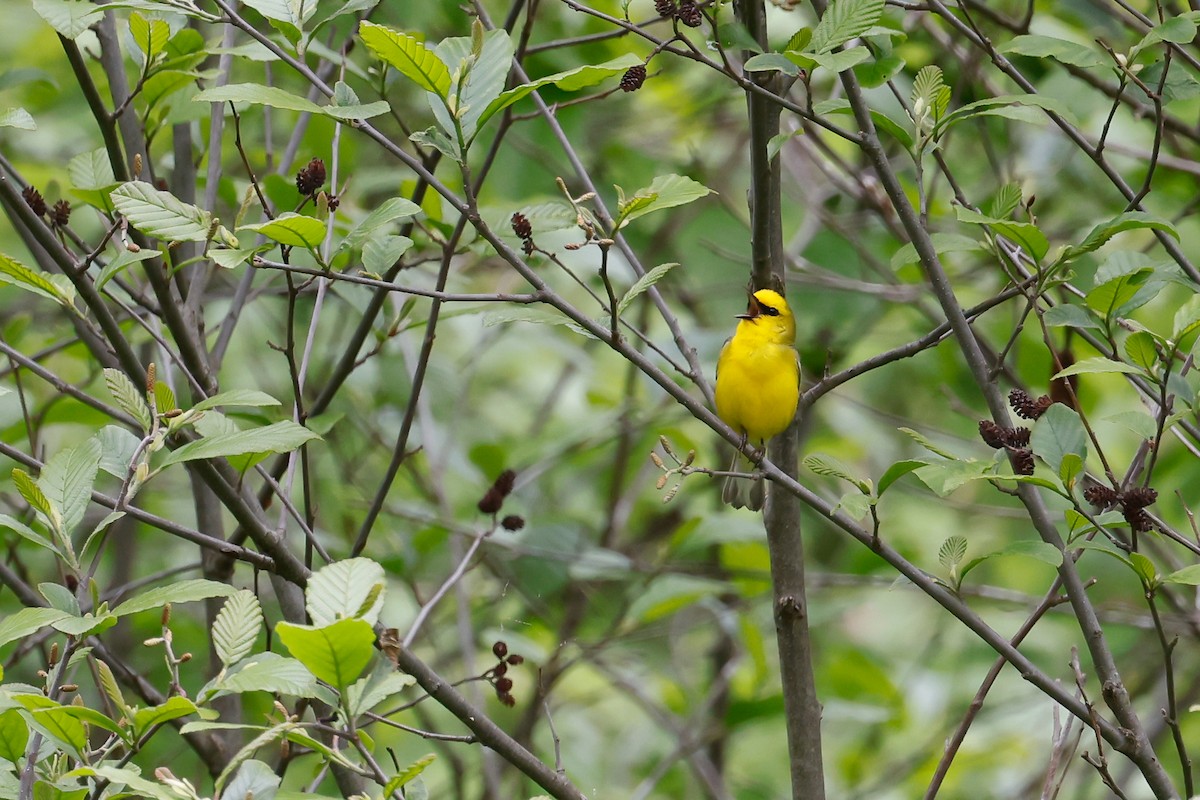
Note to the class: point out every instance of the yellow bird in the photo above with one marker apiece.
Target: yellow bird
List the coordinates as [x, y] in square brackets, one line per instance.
[758, 382]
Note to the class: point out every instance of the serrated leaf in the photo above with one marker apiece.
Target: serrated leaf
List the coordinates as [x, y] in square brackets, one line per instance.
[161, 214]
[149, 35]
[666, 191]
[336, 653]
[828, 465]
[130, 398]
[922, 440]
[17, 118]
[1189, 576]
[278, 437]
[91, 170]
[25, 532]
[269, 672]
[182, 592]
[67, 479]
[1057, 432]
[1108, 297]
[643, 283]
[844, 20]
[1006, 200]
[236, 627]
[1130, 220]
[1071, 316]
[1061, 50]
[838, 61]
[408, 55]
[1139, 422]
[1141, 348]
[129, 777]
[799, 40]
[28, 489]
[945, 477]
[378, 220]
[991, 104]
[27, 621]
[855, 504]
[124, 260]
[570, 81]
[1186, 328]
[69, 17]
[952, 552]
[480, 70]
[291, 230]
[172, 708]
[404, 776]
[236, 397]
[339, 590]
[292, 14]
[1024, 234]
[267, 737]
[1144, 568]
[17, 274]
[112, 689]
[1069, 469]
[372, 690]
[1097, 365]
[380, 253]
[61, 726]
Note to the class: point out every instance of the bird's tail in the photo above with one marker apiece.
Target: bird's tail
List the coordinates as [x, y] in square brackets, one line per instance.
[736, 493]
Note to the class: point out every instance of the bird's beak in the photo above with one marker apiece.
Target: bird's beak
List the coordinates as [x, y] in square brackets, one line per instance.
[752, 310]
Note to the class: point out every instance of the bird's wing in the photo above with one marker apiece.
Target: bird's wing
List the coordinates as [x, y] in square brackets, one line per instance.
[721, 357]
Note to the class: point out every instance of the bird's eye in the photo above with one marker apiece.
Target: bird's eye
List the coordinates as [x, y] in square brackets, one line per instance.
[770, 312]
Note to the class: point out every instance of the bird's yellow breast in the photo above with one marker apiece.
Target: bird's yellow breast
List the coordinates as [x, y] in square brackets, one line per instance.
[758, 383]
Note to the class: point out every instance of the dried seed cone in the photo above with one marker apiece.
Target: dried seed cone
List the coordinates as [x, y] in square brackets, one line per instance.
[665, 8]
[1026, 407]
[689, 14]
[60, 215]
[521, 226]
[34, 199]
[1022, 460]
[311, 177]
[1140, 497]
[991, 433]
[1100, 496]
[633, 78]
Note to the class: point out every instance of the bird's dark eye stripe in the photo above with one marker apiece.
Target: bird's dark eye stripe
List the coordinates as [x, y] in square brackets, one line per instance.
[770, 312]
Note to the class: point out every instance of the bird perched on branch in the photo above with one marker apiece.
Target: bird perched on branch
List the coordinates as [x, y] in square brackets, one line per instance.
[758, 383]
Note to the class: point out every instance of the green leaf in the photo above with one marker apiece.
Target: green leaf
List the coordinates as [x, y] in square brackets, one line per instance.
[1058, 432]
[233, 258]
[922, 440]
[844, 20]
[855, 504]
[407, 774]
[839, 61]
[1142, 349]
[991, 104]
[408, 55]
[28, 489]
[25, 532]
[236, 397]
[149, 35]
[269, 672]
[182, 592]
[1098, 365]
[345, 105]
[1186, 329]
[291, 230]
[339, 590]
[128, 776]
[375, 223]
[1030, 548]
[643, 283]
[173, 708]
[381, 252]
[952, 552]
[28, 621]
[254, 779]
[799, 40]
[292, 14]
[32, 280]
[828, 465]
[161, 214]
[85, 625]
[17, 118]
[1108, 297]
[1144, 568]
[1071, 316]
[91, 170]
[374, 689]
[14, 735]
[570, 81]
[1061, 50]
[880, 71]
[336, 653]
[942, 243]
[944, 477]
[69, 17]
[479, 76]
[1130, 220]
[1139, 422]
[772, 62]
[108, 683]
[278, 437]
[897, 471]
[1189, 576]
[1177, 30]
[1069, 469]
[236, 627]
[60, 597]
[67, 480]
[131, 399]
[267, 737]
[60, 725]
[665, 191]
[275, 97]
[882, 121]
[124, 260]
[1024, 234]
[670, 593]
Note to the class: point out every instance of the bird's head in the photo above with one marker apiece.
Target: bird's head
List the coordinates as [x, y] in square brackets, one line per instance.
[767, 309]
